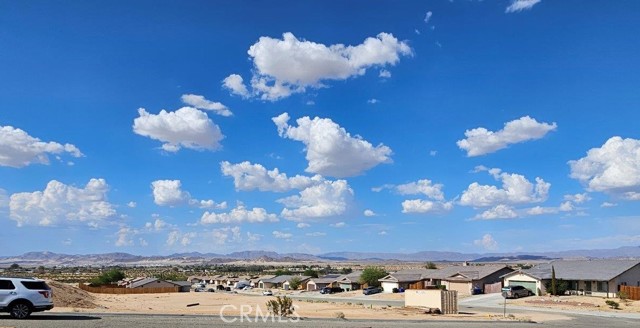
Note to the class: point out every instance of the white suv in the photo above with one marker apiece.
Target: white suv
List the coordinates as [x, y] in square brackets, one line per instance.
[21, 296]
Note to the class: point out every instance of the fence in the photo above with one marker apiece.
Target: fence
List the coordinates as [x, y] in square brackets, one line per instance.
[110, 290]
[633, 293]
[493, 288]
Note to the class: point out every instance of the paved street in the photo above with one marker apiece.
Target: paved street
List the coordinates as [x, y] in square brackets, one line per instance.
[72, 320]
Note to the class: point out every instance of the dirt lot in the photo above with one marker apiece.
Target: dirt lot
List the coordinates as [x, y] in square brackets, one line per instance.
[578, 302]
[69, 298]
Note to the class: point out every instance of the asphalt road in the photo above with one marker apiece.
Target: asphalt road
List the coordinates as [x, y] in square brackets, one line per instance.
[72, 320]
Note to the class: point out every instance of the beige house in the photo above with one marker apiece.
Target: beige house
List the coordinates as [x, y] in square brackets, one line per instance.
[584, 277]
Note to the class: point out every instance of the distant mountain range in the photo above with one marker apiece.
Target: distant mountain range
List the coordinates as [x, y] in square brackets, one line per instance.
[50, 259]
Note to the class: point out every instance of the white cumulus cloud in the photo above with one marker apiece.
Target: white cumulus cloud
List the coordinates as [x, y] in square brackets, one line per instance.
[520, 5]
[186, 127]
[329, 199]
[516, 189]
[201, 102]
[239, 214]
[291, 65]
[19, 149]
[59, 203]
[498, 212]
[487, 242]
[425, 206]
[369, 213]
[613, 168]
[480, 141]
[170, 193]
[282, 235]
[247, 176]
[331, 150]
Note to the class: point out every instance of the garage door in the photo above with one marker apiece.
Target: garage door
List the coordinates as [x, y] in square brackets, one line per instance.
[389, 286]
[530, 285]
[463, 288]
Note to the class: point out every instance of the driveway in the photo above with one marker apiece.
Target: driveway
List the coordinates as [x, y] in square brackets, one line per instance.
[496, 302]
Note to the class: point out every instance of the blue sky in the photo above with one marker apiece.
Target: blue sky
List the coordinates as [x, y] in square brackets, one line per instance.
[309, 126]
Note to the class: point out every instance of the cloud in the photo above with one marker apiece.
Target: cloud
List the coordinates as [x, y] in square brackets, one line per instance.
[520, 5]
[253, 237]
[487, 242]
[132, 204]
[425, 206]
[124, 237]
[516, 189]
[170, 193]
[608, 204]
[425, 186]
[19, 149]
[329, 199]
[157, 225]
[228, 234]
[235, 84]
[373, 101]
[480, 141]
[382, 233]
[369, 213]
[62, 204]
[384, 74]
[200, 102]
[338, 225]
[427, 17]
[290, 65]
[177, 237]
[331, 150]
[613, 168]
[578, 198]
[247, 176]
[282, 235]
[498, 212]
[4, 198]
[315, 234]
[239, 215]
[303, 225]
[186, 127]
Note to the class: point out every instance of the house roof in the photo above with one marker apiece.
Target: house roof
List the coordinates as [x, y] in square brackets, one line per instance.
[351, 277]
[327, 279]
[284, 278]
[595, 270]
[455, 273]
[142, 282]
[179, 283]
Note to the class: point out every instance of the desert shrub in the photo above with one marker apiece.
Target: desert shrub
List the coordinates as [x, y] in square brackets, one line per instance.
[281, 306]
[613, 304]
[108, 277]
[623, 296]
[561, 287]
[295, 283]
[339, 315]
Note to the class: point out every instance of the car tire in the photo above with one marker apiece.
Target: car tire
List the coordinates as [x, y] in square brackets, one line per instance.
[516, 295]
[20, 310]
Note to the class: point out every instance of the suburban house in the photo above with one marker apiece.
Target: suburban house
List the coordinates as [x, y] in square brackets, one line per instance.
[254, 281]
[282, 282]
[325, 281]
[184, 286]
[350, 281]
[463, 279]
[584, 277]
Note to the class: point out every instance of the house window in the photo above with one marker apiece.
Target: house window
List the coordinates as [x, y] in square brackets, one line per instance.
[587, 285]
[602, 286]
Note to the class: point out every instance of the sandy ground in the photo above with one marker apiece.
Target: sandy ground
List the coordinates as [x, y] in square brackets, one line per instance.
[72, 299]
[578, 302]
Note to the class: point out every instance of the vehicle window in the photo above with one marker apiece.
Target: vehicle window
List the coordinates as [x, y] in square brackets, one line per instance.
[6, 284]
[35, 285]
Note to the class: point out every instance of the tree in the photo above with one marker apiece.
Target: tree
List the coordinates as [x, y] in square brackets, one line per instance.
[282, 272]
[554, 284]
[346, 270]
[40, 269]
[14, 267]
[311, 273]
[430, 266]
[561, 287]
[295, 283]
[108, 277]
[370, 276]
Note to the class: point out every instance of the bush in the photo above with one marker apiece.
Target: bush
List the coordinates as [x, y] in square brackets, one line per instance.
[561, 287]
[109, 277]
[395, 290]
[613, 304]
[340, 315]
[295, 283]
[281, 306]
[623, 296]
